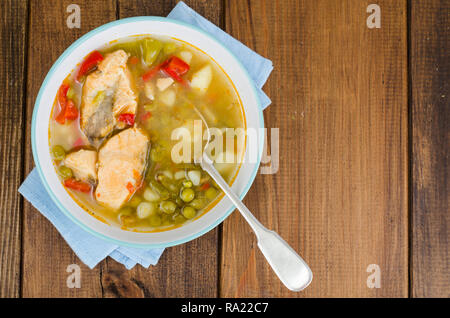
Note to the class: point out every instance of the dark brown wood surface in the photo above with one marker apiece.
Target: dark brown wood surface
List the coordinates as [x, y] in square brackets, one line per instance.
[430, 119]
[340, 197]
[46, 255]
[188, 270]
[12, 121]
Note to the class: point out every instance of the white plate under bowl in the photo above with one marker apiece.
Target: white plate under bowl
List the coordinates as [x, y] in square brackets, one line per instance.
[68, 61]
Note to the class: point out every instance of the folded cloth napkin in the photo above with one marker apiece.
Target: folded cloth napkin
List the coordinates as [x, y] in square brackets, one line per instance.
[258, 67]
[91, 249]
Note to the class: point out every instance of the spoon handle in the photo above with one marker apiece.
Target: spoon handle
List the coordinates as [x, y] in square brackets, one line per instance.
[290, 268]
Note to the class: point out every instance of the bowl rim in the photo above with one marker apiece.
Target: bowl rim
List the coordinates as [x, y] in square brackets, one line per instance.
[55, 199]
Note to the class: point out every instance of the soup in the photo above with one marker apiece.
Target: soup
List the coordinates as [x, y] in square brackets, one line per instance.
[117, 132]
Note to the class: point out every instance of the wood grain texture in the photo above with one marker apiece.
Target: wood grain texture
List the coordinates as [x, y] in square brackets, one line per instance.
[189, 270]
[430, 118]
[210, 9]
[45, 254]
[339, 93]
[340, 197]
[12, 77]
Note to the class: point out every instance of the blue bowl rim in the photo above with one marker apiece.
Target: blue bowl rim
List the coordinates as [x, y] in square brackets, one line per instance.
[69, 50]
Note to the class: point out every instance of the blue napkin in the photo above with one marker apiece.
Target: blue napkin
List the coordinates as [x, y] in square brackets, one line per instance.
[258, 67]
[90, 249]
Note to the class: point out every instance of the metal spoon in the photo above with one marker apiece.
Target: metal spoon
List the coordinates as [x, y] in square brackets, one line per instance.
[290, 268]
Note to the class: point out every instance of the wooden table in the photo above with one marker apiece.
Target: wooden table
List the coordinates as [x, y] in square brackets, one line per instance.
[364, 153]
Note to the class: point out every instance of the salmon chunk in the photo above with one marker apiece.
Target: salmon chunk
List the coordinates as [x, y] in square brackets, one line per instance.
[83, 164]
[107, 93]
[121, 164]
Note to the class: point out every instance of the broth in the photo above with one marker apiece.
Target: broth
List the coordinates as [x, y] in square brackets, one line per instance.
[164, 84]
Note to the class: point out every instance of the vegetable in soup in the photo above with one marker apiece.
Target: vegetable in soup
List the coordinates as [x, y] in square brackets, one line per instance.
[113, 132]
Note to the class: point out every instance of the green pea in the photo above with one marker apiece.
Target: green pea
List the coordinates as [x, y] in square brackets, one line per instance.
[135, 201]
[127, 220]
[189, 212]
[125, 211]
[179, 219]
[178, 201]
[211, 193]
[197, 204]
[58, 152]
[187, 195]
[187, 183]
[155, 220]
[65, 172]
[168, 207]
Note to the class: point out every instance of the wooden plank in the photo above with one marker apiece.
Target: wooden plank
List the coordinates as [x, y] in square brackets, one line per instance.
[189, 270]
[45, 254]
[12, 77]
[430, 117]
[339, 93]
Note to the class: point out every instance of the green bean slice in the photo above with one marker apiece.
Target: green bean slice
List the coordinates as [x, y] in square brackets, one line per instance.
[197, 203]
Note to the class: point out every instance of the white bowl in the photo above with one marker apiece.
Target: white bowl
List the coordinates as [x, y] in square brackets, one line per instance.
[68, 61]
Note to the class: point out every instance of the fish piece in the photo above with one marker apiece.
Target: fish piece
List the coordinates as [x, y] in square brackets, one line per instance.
[121, 164]
[124, 99]
[106, 94]
[83, 164]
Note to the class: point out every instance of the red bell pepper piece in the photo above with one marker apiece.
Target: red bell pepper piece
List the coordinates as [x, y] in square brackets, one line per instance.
[62, 100]
[68, 110]
[127, 118]
[71, 112]
[89, 63]
[205, 186]
[152, 72]
[81, 186]
[175, 68]
[133, 60]
[146, 116]
[130, 187]
[78, 143]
